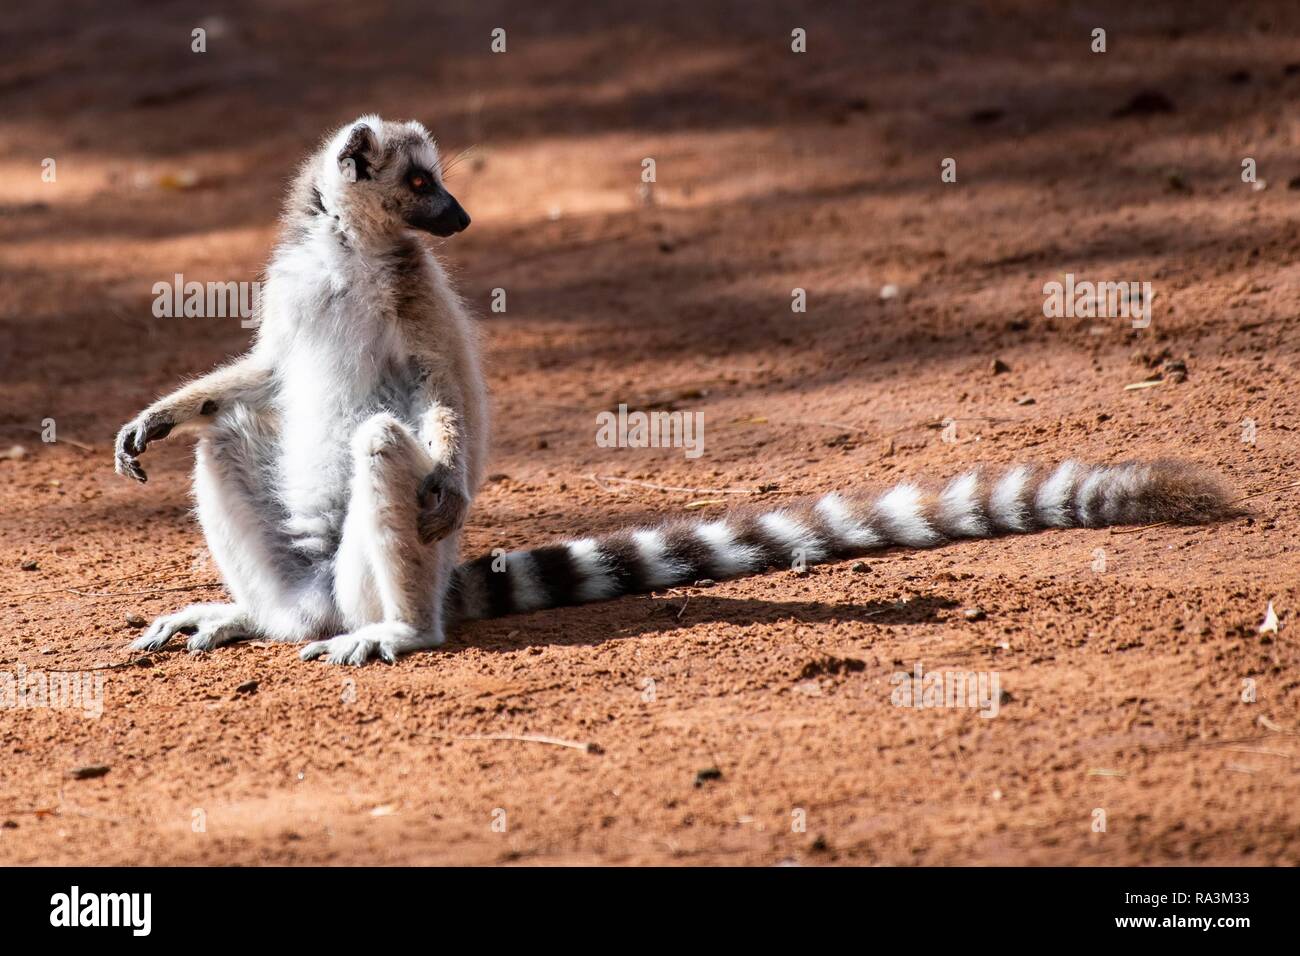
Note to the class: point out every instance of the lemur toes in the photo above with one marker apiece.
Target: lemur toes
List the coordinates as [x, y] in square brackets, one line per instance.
[150, 641]
[161, 631]
[212, 637]
[385, 640]
[209, 626]
[344, 649]
[129, 465]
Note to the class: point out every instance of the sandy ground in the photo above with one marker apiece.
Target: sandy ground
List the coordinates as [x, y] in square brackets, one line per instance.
[1122, 658]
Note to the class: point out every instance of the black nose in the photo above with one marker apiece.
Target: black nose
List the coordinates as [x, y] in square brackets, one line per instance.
[454, 217]
[448, 221]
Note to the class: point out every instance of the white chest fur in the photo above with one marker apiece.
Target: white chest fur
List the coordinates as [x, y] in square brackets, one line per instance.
[341, 359]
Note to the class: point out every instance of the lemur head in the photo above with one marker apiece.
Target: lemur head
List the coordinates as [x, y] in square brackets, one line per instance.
[379, 178]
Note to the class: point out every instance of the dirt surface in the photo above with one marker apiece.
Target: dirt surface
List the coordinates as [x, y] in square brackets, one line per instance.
[1122, 670]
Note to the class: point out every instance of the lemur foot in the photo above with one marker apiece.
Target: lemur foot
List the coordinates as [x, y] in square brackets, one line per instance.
[209, 626]
[387, 640]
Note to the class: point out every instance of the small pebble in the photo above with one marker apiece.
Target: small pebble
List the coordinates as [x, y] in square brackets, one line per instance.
[30, 566]
[889, 291]
[860, 567]
[708, 773]
[974, 614]
[998, 367]
[135, 620]
[249, 687]
[89, 772]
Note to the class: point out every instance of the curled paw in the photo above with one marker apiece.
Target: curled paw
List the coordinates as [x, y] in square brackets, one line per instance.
[133, 439]
[443, 506]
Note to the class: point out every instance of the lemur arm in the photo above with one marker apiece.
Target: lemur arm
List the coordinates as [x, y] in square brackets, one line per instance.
[242, 379]
[444, 492]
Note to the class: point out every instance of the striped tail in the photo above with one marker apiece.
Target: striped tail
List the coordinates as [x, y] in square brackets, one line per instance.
[976, 504]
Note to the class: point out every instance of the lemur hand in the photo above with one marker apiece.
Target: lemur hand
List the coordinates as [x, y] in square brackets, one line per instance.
[442, 505]
[134, 438]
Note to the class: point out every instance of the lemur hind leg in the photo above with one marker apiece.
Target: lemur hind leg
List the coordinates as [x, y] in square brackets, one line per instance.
[393, 565]
[272, 587]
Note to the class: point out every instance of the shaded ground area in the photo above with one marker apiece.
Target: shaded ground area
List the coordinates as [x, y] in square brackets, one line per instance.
[1123, 659]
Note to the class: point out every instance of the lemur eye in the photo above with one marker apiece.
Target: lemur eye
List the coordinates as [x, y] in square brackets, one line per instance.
[419, 182]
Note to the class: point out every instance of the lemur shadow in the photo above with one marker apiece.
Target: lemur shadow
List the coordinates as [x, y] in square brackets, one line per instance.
[633, 616]
[588, 625]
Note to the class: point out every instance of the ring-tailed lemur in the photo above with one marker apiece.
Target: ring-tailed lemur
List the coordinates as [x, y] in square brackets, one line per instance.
[337, 458]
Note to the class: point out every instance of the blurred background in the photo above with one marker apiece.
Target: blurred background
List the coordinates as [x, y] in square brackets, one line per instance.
[775, 169]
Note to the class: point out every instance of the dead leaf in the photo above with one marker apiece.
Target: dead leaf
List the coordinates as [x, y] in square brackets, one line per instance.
[695, 505]
[1270, 621]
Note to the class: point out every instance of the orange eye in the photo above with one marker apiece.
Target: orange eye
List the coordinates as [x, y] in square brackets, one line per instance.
[418, 182]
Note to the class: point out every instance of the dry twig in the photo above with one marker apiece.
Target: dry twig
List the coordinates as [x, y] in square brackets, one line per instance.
[124, 577]
[537, 739]
[599, 482]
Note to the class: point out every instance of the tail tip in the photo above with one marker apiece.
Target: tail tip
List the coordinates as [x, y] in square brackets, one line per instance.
[1184, 493]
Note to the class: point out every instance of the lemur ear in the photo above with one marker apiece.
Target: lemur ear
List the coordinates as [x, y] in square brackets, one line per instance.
[358, 153]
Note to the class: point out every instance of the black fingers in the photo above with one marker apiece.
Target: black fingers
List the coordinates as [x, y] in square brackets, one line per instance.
[132, 441]
[124, 455]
